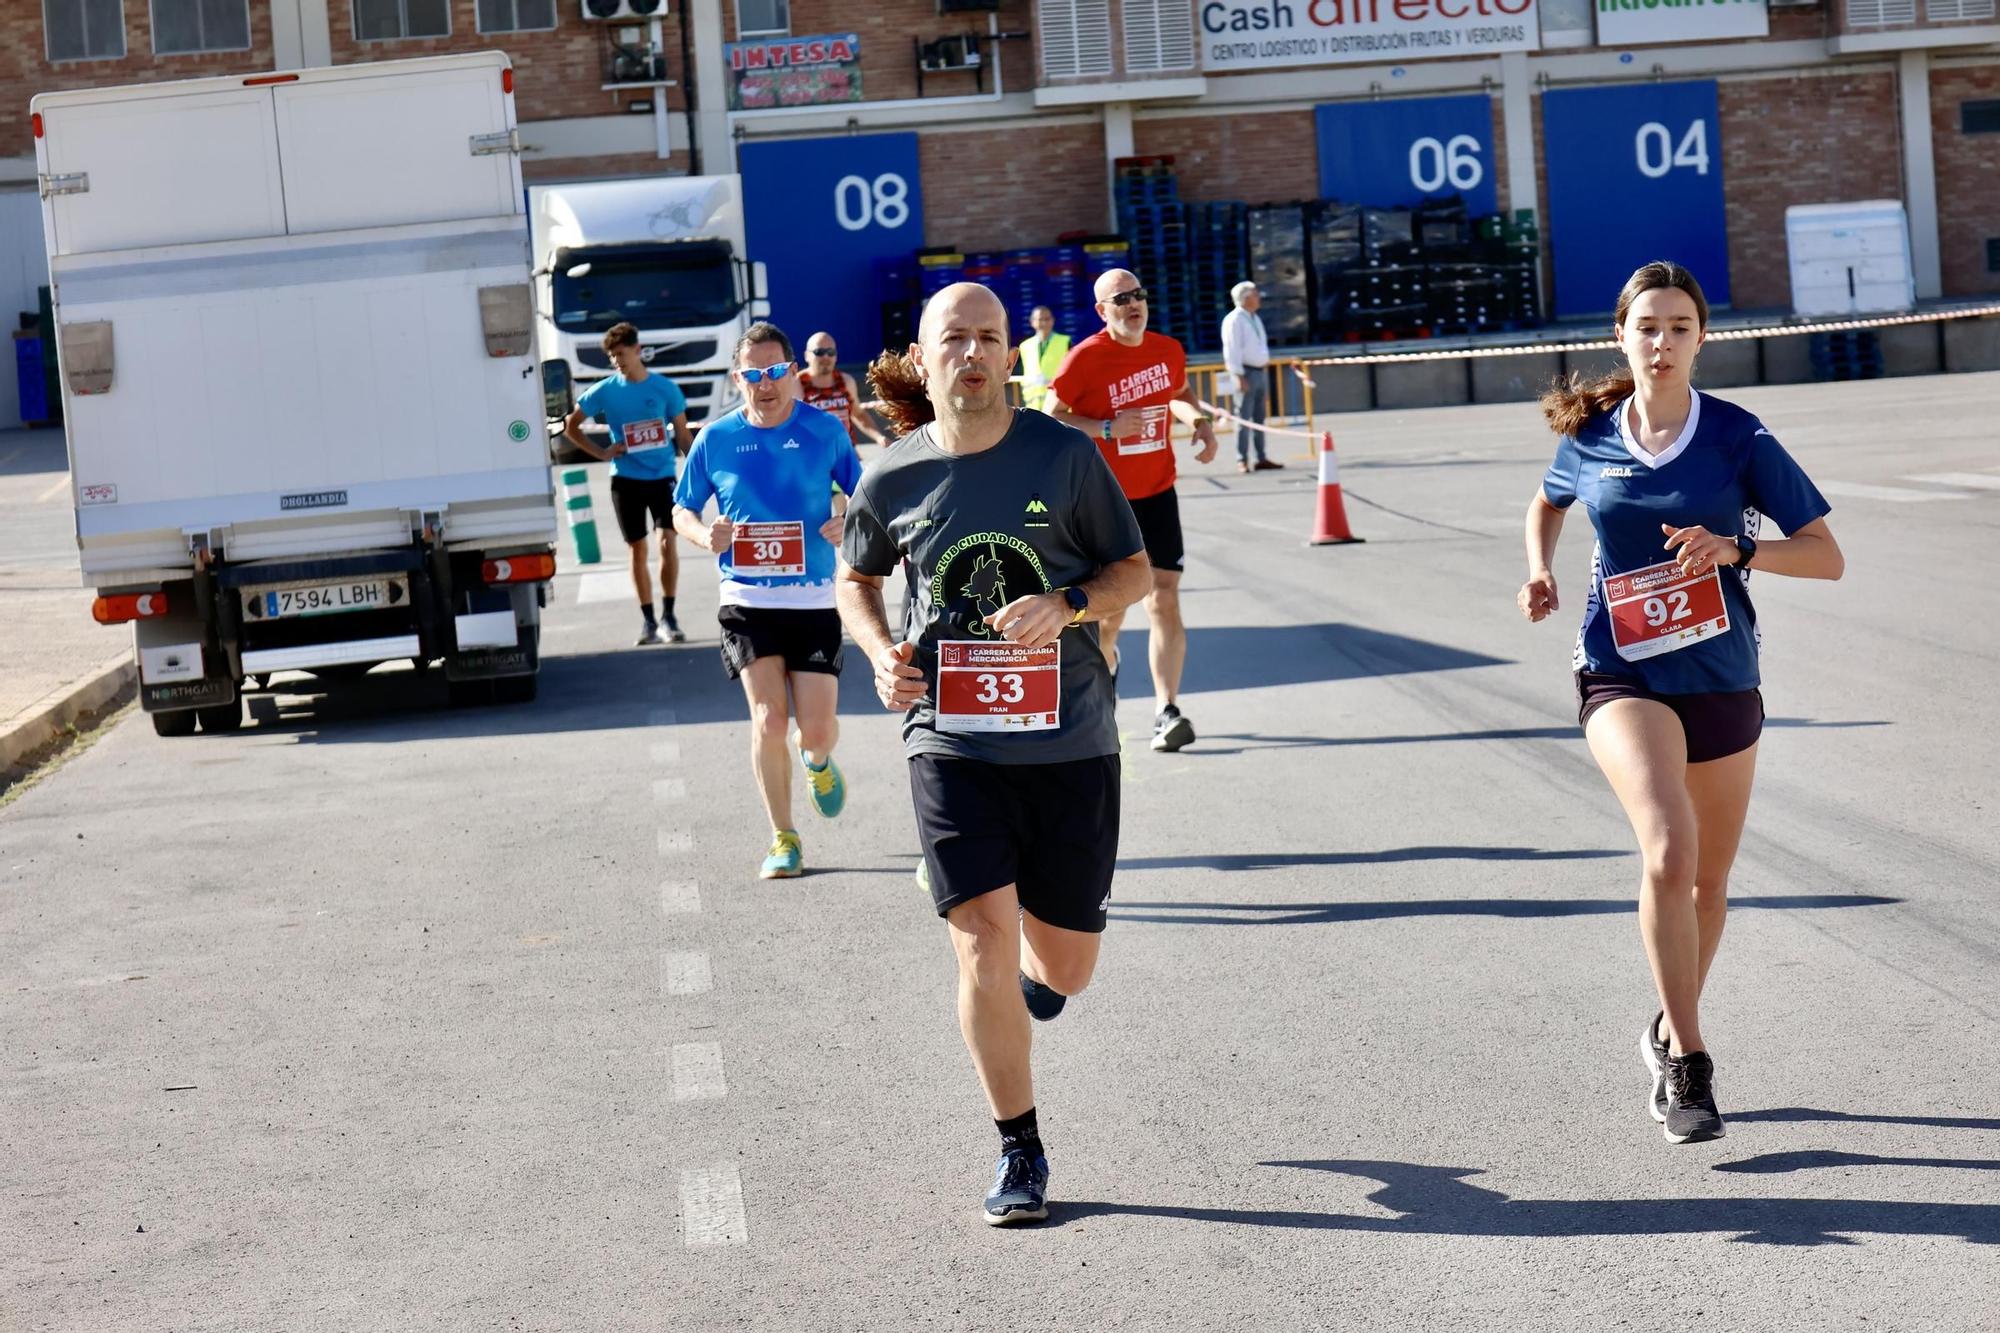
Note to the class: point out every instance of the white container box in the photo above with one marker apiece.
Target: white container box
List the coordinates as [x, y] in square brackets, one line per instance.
[1850, 259]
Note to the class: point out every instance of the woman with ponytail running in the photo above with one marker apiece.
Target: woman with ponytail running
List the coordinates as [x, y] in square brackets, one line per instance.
[1676, 484]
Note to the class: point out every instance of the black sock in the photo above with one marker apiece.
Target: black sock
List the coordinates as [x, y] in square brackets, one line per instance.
[646, 610]
[667, 608]
[1020, 1132]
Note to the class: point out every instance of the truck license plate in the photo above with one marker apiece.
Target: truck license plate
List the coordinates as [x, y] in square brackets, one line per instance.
[323, 599]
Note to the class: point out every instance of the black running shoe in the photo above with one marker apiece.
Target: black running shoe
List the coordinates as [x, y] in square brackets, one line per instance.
[1691, 1115]
[1654, 1052]
[1043, 1003]
[1170, 730]
[1020, 1189]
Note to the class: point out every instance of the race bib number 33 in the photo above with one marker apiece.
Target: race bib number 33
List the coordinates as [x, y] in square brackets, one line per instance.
[768, 550]
[998, 687]
[1661, 610]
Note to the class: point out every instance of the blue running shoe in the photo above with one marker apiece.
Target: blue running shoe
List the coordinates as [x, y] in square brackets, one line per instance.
[787, 858]
[1043, 1003]
[1020, 1189]
[825, 784]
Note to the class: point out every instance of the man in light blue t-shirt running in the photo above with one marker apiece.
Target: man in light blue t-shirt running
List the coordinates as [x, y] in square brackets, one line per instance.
[771, 468]
[647, 414]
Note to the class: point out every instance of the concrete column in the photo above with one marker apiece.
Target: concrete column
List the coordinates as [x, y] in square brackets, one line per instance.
[1913, 81]
[1517, 119]
[1117, 144]
[316, 31]
[711, 89]
[287, 44]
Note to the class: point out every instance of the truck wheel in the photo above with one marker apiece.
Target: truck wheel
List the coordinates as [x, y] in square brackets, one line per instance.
[515, 689]
[180, 722]
[222, 717]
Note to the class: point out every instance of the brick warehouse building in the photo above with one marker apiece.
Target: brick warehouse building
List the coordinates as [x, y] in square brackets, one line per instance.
[1009, 113]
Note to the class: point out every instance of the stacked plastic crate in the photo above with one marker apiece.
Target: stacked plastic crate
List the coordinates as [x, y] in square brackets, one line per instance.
[1852, 354]
[1511, 245]
[1216, 240]
[896, 298]
[1277, 238]
[1023, 278]
[1333, 249]
[1386, 295]
[1152, 218]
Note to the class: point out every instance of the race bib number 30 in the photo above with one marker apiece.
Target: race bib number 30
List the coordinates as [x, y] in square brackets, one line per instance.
[998, 687]
[645, 435]
[1153, 433]
[768, 550]
[1661, 610]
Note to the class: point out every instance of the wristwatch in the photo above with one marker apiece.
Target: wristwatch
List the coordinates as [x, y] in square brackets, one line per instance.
[1106, 432]
[1079, 603]
[1745, 550]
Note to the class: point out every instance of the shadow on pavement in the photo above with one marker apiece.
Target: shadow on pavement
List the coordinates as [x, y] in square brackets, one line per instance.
[1278, 860]
[1567, 733]
[1812, 1159]
[1793, 1114]
[1258, 656]
[1327, 914]
[1437, 1201]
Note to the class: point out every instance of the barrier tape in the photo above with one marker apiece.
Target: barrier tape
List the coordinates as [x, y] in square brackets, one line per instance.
[1606, 344]
[1224, 414]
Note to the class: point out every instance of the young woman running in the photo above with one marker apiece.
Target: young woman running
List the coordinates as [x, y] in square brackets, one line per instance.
[1676, 484]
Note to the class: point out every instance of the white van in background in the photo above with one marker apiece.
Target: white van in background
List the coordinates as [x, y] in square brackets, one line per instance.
[295, 328]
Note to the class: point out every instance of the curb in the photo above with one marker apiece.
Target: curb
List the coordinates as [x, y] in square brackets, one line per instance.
[45, 719]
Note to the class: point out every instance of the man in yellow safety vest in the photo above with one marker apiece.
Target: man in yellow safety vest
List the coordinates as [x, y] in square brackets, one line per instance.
[1041, 357]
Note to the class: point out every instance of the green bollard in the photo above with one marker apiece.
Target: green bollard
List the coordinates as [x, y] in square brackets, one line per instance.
[582, 523]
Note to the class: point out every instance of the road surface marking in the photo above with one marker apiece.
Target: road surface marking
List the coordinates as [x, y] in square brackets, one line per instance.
[712, 1207]
[666, 752]
[698, 1071]
[1856, 490]
[669, 790]
[679, 897]
[686, 974]
[605, 585]
[1976, 480]
[53, 491]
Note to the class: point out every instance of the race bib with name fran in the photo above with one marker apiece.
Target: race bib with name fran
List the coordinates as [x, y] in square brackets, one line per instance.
[1659, 609]
[998, 686]
[768, 550]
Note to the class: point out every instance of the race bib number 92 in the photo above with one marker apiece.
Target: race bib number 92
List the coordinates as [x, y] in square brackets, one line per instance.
[1661, 610]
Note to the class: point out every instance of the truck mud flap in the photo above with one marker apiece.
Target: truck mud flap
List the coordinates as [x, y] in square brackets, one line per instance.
[186, 694]
[523, 659]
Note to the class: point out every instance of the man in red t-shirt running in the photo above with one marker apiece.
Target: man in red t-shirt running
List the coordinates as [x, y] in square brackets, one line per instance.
[1125, 387]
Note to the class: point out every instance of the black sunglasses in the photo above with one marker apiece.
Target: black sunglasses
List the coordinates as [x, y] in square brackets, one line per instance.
[821, 351]
[1122, 299]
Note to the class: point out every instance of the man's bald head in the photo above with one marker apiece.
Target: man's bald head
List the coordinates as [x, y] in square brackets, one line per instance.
[963, 305]
[1114, 280]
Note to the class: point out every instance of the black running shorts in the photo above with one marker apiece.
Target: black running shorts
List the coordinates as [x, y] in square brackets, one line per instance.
[632, 498]
[1049, 829]
[808, 639]
[1160, 524]
[1717, 724]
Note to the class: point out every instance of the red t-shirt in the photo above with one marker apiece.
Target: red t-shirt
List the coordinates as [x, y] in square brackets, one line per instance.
[1101, 377]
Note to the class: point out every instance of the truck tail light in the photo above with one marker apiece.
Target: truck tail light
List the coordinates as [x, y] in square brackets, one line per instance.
[532, 568]
[123, 607]
[36, 121]
[507, 80]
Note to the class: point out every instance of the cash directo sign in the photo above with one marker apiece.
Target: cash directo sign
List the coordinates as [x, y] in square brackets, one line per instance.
[1269, 34]
[1635, 22]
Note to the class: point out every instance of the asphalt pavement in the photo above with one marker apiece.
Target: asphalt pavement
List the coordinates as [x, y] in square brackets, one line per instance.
[383, 1015]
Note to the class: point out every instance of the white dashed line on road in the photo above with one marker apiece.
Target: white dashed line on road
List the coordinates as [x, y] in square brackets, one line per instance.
[680, 897]
[1861, 490]
[698, 1072]
[669, 790]
[1978, 481]
[666, 752]
[53, 491]
[606, 585]
[686, 974]
[712, 1207]
[675, 842]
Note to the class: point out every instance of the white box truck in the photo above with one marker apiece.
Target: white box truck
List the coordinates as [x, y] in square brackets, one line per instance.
[663, 253]
[294, 325]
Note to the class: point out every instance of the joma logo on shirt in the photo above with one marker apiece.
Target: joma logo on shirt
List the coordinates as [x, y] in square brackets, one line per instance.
[1615, 472]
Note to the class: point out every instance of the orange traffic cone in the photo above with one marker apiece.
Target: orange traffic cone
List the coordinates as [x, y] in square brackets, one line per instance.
[1330, 527]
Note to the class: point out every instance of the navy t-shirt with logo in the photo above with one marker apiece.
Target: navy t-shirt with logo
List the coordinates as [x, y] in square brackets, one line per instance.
[1726, 473]
[1038, 511]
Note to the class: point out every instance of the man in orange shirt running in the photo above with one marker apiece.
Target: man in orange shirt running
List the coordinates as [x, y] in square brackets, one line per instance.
[1125, 387]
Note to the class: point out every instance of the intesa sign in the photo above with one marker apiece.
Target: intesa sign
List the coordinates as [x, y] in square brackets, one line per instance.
[1270, 34]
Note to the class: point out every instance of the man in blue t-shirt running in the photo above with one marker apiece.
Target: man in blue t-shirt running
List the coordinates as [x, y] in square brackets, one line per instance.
[640, 408]
[771, 467]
